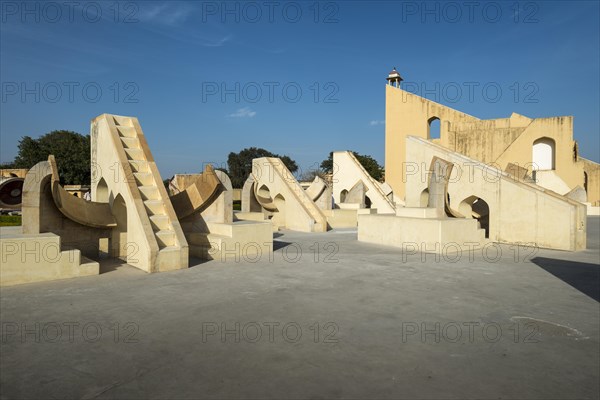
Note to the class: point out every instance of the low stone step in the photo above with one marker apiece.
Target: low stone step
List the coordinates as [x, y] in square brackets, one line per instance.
[165, 238]
[130, 142]
[155, 207]
[139, 165]
[127, 131]
[160, 222]
[121, 120]
[88, 267]
[199, 238]
[134, 154]
[149, 192]
[144, 178]
[169, 249]
[220, 228]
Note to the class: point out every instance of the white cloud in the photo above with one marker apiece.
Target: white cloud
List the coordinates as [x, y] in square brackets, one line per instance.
[243, 112]
[169, 19]
[166, 13]
[377, 122]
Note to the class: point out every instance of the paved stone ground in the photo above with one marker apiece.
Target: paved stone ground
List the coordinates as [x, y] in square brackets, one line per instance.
[352, 320]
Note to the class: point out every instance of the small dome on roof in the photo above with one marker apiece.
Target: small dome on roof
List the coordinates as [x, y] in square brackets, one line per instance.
[394, 75]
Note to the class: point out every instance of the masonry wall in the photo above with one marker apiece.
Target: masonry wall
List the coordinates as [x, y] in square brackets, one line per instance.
[408, 114]
[496, 141]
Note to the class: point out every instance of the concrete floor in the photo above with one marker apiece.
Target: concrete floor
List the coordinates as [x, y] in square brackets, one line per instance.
[361, 310]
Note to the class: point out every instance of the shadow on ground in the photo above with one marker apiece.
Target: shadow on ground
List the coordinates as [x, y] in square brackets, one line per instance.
[110, 264]
[584, 277]
[280, 244]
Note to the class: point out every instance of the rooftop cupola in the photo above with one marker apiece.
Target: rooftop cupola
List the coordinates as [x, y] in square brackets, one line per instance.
[394, 78]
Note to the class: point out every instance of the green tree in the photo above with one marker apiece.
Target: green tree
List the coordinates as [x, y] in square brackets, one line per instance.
[368, 163]
[71, 150]
[240, 164]
[7, 165]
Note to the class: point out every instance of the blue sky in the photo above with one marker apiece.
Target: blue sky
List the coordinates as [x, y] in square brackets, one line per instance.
[207, 78]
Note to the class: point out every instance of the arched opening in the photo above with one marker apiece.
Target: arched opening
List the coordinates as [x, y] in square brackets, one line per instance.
[424, 198]
[279, 216]
[264, 192]
[343, 195]
[543, 155]
[475, 207]
[102, 191]
[119, 246]
[434, 128]
[585, 181]
[367, 202]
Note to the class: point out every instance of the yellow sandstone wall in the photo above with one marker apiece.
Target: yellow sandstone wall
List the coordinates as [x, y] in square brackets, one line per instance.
[496, 141]
[407, 114]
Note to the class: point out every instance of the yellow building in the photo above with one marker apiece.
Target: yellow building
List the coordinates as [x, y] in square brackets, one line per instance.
[544, 146]
[13, 173]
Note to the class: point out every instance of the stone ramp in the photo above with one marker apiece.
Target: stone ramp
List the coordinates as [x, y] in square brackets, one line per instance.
[549, 179]
[277, 191]
[348, 171]
[518, 212]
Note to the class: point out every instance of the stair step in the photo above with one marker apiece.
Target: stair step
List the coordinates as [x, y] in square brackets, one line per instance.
[126, 131]
[155, 207]
[160, 222]
[165, 238]
[130, 142]
[134, 154]
[88, 267]
[197, 238]
[202, 238]
[169, 248]
[122, 121]
[149, 192]
[144, 178]
[139, 165]
[220, 228]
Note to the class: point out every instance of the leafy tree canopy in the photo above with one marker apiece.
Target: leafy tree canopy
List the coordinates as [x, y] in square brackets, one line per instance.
[71, 150]
[368, 162]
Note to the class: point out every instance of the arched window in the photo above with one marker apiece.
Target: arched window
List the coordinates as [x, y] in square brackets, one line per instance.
[543, 156]
[424, 198]
[343, 195]
[434, 128]
[102, 191]
[119, 233]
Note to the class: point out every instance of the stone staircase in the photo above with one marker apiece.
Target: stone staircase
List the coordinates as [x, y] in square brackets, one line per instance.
[147, 185]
